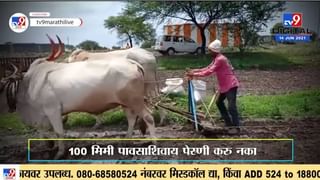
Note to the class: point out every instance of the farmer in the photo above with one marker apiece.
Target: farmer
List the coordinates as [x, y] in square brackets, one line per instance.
[227, 84]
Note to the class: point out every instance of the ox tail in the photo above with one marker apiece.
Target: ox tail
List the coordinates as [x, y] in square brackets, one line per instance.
[11, 88]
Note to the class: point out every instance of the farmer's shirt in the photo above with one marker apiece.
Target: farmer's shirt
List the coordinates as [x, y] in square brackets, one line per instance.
[224, 72]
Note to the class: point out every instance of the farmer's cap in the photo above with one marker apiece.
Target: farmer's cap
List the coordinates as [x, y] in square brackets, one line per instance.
[215, 46]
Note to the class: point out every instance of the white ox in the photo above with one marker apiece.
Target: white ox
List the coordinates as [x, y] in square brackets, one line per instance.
[145, 58]
[49, 90]
[139, 55]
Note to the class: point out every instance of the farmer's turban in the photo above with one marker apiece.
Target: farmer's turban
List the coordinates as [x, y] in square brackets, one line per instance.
[215, 46]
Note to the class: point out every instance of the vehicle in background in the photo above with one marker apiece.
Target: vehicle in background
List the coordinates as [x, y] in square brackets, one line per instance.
[169, 44]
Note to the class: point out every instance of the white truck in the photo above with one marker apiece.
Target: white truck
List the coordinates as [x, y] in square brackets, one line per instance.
[170, 44]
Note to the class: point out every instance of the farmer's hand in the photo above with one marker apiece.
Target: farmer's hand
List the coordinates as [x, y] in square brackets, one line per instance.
[190, 71]
[188, 75]
[187, 71]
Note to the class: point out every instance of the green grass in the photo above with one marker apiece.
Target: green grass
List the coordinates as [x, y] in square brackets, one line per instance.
[85, 119]
[297, 104]
[80, 119]
[277, 58]
[300, 53]
[12, 122]
[248, 60]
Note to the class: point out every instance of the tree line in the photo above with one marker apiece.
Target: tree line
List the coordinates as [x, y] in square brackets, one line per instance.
[133, 24]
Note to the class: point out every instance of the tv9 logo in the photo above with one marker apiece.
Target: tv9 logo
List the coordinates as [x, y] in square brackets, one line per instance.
[9, 173]
[292, 19]
[18, 22]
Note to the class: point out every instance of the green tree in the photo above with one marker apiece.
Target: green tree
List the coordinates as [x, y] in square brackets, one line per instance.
[129, 27]
[201, 13]
[115, 47]
[89, 45]
[253, 17]
[148, 44]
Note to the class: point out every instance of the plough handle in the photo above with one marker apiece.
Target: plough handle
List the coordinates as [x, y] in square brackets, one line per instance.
[181, 112]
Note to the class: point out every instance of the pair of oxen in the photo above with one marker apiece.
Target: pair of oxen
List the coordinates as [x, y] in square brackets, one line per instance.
[89, 82]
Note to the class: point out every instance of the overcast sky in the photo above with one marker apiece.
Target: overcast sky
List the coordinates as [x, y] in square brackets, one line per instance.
[94, 14]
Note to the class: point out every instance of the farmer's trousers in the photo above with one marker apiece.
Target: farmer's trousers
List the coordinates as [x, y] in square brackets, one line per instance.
[231, 96]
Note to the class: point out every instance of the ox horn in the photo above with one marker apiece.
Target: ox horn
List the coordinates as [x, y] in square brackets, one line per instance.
[53, 49]
[15, 70]
[60, 50]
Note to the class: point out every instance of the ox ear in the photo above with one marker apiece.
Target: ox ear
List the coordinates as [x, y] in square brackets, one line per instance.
[53, 49]
[77, 52]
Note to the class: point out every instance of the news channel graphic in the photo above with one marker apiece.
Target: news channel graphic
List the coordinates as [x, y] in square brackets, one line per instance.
[167, 171]
[9, 172]
[292, 30]
[165, 151]
[19, 22]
